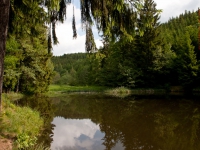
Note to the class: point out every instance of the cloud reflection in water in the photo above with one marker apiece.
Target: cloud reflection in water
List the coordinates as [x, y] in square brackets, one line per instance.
[71, 134]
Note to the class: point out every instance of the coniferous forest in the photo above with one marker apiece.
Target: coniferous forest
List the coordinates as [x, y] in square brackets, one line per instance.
[166, 55]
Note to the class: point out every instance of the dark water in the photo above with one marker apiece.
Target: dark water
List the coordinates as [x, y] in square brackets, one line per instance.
[99, 122]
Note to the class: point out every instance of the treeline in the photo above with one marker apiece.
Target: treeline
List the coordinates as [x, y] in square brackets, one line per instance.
[72, 69]
[161, 56]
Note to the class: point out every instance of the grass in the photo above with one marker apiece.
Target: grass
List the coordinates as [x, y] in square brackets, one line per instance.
[59, 90]
[119, 92]
[56, 90]
[19, 123]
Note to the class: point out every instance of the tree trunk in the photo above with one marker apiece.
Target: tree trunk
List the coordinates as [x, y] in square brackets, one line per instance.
[4, 19]
[17, 88]
[199, 29]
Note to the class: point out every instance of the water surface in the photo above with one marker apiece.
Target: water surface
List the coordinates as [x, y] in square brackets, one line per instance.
[101, 122]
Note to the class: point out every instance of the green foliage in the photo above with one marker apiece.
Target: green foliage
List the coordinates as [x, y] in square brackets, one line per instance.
[133, 62]
[164, 55]
[10, 79]
[137, 51]
[115, 67]
[186, 62]
[148, 44]
[28, 66]
[113, 18]
[181, 33]
[26, 17]
[21, 121]
[71, 69]
[24, 141]
[164, 58]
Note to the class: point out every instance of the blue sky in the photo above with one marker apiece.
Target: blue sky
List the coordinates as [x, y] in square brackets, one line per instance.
[170, 8]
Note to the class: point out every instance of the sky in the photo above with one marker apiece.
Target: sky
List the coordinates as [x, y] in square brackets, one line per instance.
[170, 8]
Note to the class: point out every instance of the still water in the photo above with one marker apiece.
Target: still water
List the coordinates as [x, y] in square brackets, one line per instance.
[76, 134]
[100, 122]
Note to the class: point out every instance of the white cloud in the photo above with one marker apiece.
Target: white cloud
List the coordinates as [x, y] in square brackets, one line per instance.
[98, 43]
[65, 35]
[171, 8]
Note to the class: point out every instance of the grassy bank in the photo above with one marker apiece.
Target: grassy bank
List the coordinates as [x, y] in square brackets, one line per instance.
[20, 124]
[56, 90]
[60, 89]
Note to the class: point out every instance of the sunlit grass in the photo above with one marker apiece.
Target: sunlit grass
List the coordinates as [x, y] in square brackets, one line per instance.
[67, 88]
[20, 123]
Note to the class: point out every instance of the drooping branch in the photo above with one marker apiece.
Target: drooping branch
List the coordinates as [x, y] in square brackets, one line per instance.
[90, 45]
[49, 41]
[62, 10]
[112, 18]
[74, 25]
[55, 39]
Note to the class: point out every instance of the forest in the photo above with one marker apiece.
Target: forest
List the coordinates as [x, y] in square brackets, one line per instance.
[149, 55]
[166, 55]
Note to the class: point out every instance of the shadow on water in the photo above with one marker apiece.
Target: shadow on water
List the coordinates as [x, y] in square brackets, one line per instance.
[91, 121]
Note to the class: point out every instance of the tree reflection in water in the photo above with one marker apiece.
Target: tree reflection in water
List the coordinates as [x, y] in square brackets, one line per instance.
[47, 109]
[147, 123]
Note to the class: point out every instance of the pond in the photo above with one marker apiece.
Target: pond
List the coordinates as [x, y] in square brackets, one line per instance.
[101, 122]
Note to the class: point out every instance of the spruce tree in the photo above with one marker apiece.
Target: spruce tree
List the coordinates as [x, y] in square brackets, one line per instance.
[185, 64]
[147, 42]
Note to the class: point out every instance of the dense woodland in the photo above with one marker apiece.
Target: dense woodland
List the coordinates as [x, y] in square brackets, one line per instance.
[166, 55]
[146, 54]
